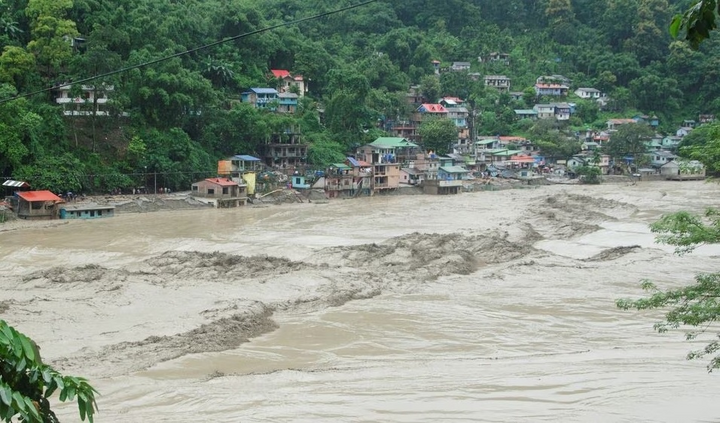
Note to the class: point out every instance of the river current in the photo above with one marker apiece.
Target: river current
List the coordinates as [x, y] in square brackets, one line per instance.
[487, 307]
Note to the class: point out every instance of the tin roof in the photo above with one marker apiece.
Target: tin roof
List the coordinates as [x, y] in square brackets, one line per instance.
[16, 184]
[454, 169]
[246, 158]
[33, 196]
[392, 142]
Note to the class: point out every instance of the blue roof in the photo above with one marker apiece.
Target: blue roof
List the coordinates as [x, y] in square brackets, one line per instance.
[264, 90]
[353, 162]
[246, 158]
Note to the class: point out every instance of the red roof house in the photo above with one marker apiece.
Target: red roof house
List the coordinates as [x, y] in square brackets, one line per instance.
[37, 204]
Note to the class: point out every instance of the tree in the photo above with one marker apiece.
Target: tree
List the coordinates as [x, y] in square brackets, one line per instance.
[629, 141]
[697, 22]
[588, 174]
[695, 306]
[430, 88]
[438, 134]
[703, 145]
[26, 384]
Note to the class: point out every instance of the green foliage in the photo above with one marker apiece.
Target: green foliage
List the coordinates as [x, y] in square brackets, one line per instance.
[696, 306]
[438, 134]
[703, 145]
[588, 174]
[26, 384]
[358, 66]
[629, 141]
[697, 22]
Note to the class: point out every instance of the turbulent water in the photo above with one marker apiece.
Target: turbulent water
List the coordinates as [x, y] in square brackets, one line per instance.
[493, 306]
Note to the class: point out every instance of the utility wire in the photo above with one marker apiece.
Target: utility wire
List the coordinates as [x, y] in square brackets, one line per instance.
[162, 59]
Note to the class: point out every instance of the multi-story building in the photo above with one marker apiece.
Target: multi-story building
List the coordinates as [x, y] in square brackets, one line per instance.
[499, 82]
[286, 151]
[386, 154]
[261, 98]
[92, 100]
[290, 83]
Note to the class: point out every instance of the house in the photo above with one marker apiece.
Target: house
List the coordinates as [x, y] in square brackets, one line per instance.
[297, 181]
[688, 123]
[455, 110]
[588, 93]
[290, 83]
[682, 170]
[517, 95]
[499, 82]
[37, 204]
[86, 211]
[449, 181]
[385, 155]
[706, 118]
[261, 98]
[526, 114]
[614, 124]
[414, 96]
[285, 151]
[576, 161]
[659, 158]
[241, 169]
[683, 132]
[425, 164]
[460, 66]
[220, 192]
[559, 111]
[555, 90]
[562, 111]
[431, 109]
[671, 142]
[653, 121]
[92, 100]
[340, 180]
[287, 102]
[544, 111]
[411, 176]
[555, 79]
[496, 57]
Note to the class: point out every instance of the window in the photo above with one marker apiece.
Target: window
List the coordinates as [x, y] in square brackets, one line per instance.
[99, 212]
[225, 190]
[194, 188]
[211, 191]
[92, 213]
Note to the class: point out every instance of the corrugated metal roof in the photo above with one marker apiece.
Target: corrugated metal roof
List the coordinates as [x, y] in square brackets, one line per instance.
[341, 166]
[454, 169]
[16, 184]
[392, 142]
[246, 158]
[33, 196]
[353, 162]
[264, 90]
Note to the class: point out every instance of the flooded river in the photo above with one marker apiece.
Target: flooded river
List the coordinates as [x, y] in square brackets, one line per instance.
[491, 307]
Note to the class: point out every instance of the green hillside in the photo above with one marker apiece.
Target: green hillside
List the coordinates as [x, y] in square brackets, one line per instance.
[179, 116]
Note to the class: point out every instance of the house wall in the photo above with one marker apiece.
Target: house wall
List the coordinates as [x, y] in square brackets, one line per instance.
[37, 209]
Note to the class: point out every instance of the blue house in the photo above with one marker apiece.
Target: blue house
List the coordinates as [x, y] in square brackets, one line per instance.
[298, 182]
[261, 97]
[287, 102]
[86, 211]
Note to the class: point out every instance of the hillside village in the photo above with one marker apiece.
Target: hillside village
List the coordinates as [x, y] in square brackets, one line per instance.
[399, 159]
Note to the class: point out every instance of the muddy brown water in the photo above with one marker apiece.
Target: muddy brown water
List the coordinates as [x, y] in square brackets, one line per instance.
[495, 307]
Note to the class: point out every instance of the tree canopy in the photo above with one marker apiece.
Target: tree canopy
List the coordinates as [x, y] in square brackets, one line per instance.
[358, 67]
[696, 306]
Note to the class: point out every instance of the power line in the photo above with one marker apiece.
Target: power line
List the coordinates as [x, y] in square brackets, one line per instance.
[236, 37]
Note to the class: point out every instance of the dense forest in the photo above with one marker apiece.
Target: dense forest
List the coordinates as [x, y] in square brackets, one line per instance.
[178, 116]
